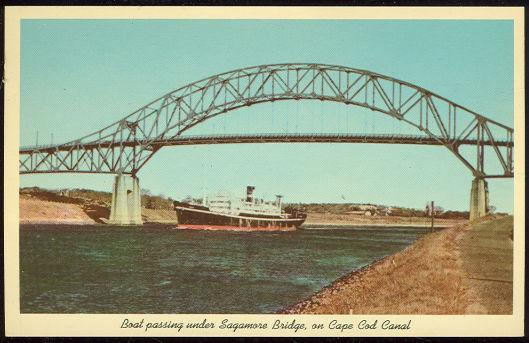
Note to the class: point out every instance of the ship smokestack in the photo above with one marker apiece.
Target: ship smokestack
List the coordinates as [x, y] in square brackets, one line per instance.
[249, 193]
[279, 199]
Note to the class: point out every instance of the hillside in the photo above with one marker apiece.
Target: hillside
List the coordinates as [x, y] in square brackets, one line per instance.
[81, 206]
[85, 206]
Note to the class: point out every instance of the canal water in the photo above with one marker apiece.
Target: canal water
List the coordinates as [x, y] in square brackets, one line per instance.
[101, 269]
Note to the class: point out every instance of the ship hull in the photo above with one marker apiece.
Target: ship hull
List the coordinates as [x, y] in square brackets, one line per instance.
[202, 219]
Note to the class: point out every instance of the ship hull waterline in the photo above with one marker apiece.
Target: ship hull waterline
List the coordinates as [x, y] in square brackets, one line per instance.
[195, 219]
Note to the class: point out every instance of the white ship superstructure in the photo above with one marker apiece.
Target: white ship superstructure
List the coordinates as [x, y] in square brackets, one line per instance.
[223, 210]
[227, 203]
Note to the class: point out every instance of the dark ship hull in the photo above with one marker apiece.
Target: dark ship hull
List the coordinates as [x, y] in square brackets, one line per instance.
[200, 217]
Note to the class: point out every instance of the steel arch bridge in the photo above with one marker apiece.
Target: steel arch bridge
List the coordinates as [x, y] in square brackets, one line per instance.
[126, 145]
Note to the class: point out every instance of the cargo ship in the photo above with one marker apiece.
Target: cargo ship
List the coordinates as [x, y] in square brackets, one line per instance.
[223, 211]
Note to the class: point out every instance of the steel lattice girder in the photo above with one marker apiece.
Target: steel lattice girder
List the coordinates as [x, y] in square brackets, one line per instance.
[163, 121]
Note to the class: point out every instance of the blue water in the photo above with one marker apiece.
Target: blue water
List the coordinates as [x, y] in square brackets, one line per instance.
[102, 269]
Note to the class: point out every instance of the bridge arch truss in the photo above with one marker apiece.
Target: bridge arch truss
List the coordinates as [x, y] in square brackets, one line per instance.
[126, 145]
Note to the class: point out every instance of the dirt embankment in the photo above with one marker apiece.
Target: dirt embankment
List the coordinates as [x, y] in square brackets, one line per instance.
[351, 219]
[159, 216]
[461, 270]
[40, 211]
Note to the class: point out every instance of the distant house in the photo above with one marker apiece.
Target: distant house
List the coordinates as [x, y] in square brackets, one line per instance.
[64, 192]
[384, 210]
[367, 207]
[370, 210]
[437, 209]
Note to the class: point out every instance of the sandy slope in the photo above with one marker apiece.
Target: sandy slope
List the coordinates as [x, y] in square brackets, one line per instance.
[33, 211]
[40, 211]
[159, 216]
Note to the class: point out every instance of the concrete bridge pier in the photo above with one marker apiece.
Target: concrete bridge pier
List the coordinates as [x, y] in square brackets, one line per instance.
[479, 198]
[126, 201]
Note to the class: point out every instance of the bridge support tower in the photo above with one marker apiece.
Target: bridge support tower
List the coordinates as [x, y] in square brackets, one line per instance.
[126, 201]
[479, 198]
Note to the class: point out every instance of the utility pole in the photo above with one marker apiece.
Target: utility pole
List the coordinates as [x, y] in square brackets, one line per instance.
[432, 211]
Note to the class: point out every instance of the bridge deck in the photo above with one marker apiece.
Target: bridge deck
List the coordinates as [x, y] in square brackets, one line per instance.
[266, 138]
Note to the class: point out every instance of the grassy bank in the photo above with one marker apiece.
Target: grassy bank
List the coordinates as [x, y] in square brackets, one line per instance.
[465, 269]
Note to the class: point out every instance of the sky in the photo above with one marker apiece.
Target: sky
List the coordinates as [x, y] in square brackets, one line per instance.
[78, 76]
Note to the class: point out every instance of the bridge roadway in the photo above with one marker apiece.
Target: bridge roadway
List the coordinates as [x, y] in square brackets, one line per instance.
[266, 138]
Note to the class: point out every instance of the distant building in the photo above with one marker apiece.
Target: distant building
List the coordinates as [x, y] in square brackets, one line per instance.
[64, 192]
[367, 207]
[437, 209]
[370, 210]
[384, 210]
